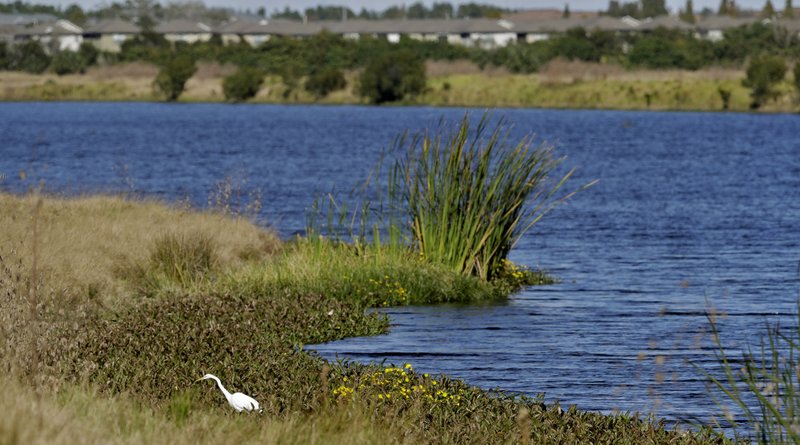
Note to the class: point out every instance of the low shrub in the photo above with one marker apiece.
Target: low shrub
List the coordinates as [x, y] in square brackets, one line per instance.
[392, 76]
[5, 63]
[324, 81]
[175, 262]
[763, 73]
[796, 75]
[89, 53]
[29, 57]
[174, 74]
[243, 84]
[68, 62]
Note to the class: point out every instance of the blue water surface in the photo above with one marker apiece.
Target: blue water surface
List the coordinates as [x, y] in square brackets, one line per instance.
[691, 210]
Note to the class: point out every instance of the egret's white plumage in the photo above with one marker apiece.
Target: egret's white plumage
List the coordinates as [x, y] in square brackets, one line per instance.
[240, 402]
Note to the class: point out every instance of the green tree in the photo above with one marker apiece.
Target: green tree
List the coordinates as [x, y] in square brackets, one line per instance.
[4, 56]
[796, 73]
[479, 10]
[566, 13]
[173, 75]
[768, 11]
[617, 9]
[723, 8]
[29, 57]
[575, 44]
[763, 73]
[392, 76]
[329, 13]
[74, 13]
[687, 14]
[324, 81]
[67, 62]
[788, 10]
[243, 84]
[654, 8]
[442, 10]
[393, 12]
[288, 14]
[88, 53]
[417, 11]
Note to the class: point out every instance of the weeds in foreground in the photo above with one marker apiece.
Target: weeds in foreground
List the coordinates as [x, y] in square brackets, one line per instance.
[762, 387]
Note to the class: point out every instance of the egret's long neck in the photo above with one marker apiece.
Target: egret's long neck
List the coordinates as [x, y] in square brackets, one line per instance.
[222, 388]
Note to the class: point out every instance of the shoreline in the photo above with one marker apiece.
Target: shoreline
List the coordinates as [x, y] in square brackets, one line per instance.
[678, 91]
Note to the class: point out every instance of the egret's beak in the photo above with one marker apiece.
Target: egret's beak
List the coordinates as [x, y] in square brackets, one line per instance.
[199, 380]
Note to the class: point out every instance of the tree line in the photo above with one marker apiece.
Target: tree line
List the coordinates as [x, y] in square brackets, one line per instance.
[134, 9]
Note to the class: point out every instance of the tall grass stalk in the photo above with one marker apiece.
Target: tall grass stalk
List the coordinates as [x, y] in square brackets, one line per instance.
[470, 195]
[763, 387]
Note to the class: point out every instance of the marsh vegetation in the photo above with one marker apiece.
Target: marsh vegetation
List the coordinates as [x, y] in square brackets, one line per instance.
[112, 307]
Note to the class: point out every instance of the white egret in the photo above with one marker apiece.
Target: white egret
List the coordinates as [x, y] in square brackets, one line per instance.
[240, 402]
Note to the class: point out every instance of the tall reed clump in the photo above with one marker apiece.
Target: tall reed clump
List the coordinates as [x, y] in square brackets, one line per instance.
[468, 195]
[762, 389]
[174, 261]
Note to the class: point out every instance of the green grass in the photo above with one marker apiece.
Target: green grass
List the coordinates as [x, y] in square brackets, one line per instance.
[656, 94]
[469, 194]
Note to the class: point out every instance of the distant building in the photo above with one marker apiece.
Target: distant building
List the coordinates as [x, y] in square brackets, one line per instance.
[713, 28]
[61, 35]
[26, 19]
[186, 31]
[7, 33]
[537, 15]
[109, 35]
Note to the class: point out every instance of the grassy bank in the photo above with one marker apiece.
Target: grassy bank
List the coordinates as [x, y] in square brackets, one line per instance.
[558, 85]
[111, 308]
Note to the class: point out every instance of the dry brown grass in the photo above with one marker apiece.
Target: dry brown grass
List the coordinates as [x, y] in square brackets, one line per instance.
[206, 84]
[79, 414]
[83, 241]
[213, 70]
[118, 82]
[132, 70]
[560, 71]
[438, 68]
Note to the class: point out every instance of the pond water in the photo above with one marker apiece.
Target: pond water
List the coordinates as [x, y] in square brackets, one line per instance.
[691, 210]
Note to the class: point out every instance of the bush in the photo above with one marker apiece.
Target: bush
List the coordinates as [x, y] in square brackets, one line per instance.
[392, 76]
[487, 192]
[67, 62]
[174, 73]
[522, 57]
[29, 57]
[796, 73]
[763, 73]
[174, 262]
[4, 56]
[88, 53]
[324, 81]
[243, 84]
